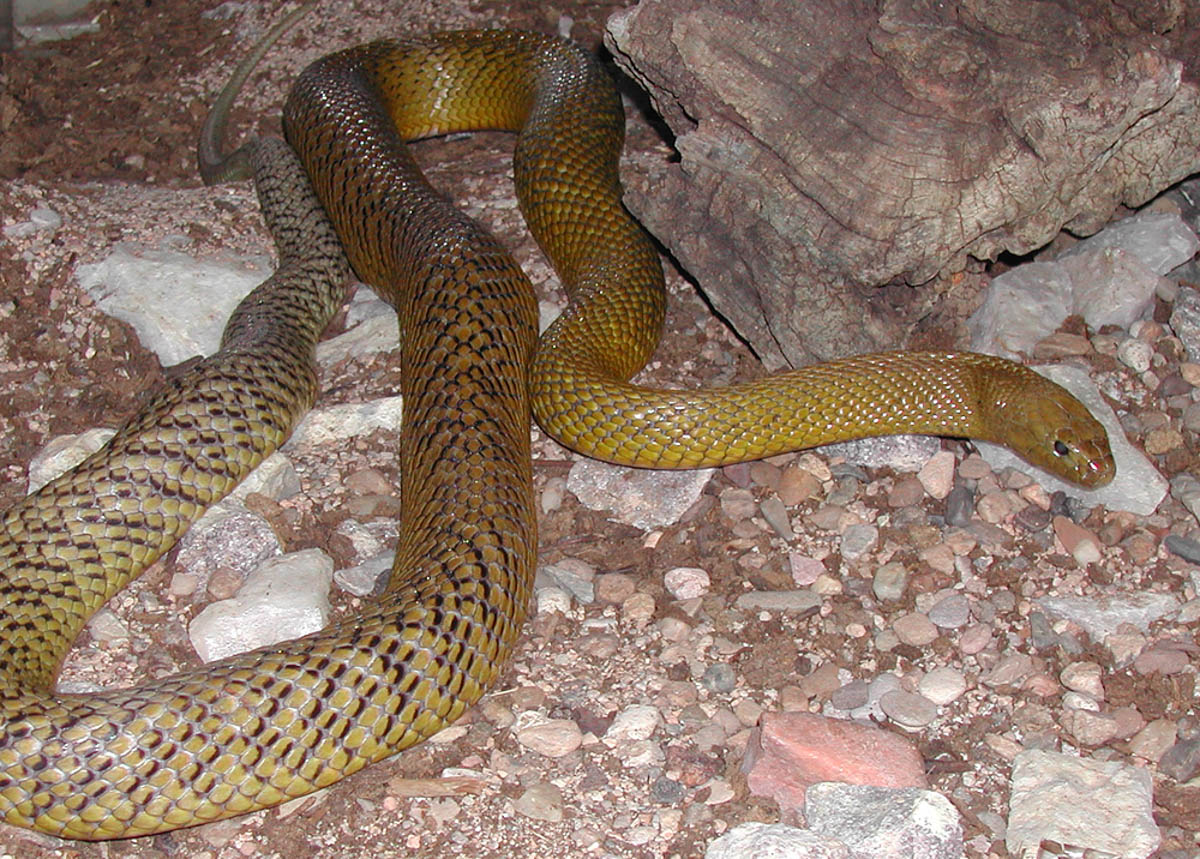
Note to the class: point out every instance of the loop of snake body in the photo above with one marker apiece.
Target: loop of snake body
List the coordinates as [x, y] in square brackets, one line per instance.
[254, 730]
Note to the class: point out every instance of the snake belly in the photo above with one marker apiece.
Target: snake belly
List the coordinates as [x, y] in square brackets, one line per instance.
[251, 731]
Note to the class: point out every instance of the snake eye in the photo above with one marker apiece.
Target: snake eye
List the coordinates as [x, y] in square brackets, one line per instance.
[1060, 448]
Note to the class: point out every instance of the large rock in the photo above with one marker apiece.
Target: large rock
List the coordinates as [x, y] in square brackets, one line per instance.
[827, 148]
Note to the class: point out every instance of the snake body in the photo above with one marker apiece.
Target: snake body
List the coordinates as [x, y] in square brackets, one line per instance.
[251, 731]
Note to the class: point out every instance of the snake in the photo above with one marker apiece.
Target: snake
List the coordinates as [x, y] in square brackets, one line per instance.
[341, 196]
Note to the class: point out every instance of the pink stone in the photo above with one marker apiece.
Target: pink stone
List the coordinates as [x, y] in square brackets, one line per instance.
[791, 751]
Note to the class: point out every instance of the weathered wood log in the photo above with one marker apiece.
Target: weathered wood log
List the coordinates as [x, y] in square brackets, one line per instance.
[827, 147]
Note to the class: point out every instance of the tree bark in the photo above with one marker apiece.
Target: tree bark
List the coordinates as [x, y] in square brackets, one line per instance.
[827, 147]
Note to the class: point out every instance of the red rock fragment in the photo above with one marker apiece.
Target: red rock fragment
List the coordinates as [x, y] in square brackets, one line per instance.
[790, 751]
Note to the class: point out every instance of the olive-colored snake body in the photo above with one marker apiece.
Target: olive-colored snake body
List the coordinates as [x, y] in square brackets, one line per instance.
[251, 731]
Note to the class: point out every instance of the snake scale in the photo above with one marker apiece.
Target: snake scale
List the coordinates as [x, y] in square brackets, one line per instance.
[251, 731]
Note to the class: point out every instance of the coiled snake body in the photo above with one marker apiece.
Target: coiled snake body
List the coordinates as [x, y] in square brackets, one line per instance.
[253, 730]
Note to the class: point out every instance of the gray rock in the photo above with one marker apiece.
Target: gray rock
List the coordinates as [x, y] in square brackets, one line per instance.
[1161, 240]
[285, 598]
[1185, 321]
[794, 602]
[1137, 487]
[227, 536]
[899, 452]
[338, 423]
[1109, 286]
[889, 581]
[1100, 616]
[951, 612]
[1104, 806]
[908, 708]
[177, 304]
[640, 497]
[1184, 547]
[1186, 490]
[1108, 279]
[570, 579]
[362, 579]
[541, 801]
[858, 540]
[774, 841]
[1020, 308]
[882, 821]
[64, 452]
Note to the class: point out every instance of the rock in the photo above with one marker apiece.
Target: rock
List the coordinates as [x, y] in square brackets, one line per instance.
[884, 822]
[371, 326]
[640, 497]
[1108, 279]
[685, 583]
[284, 598]
[553, 738]
[889, 581]
[1182, 761]
[1083, 677]
[229, 537]
[64, 452]
[903, 453]
[178, 305]
[908, 709]
[635, 722]
[858, 540]
[937, 475]
[774, 841]
[915, 629]
[943, 685]
[338, 423]
[791, 602]
[951, 612]
[1100, 616]
[541, 801]
[791, 751]
[1185, 321]
[1105, 806]
[1137, 487]
[362, 579]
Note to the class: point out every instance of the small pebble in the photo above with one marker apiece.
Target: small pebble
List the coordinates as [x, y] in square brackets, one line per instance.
[937, 475]
[974, 639]
[776, 515]
[908, 709]
[614, 588]
[1085, 677]
[1135, 354]
[858, 540]
[853, 695]
[1182, 761]
[915, 629]
[553, 738]
[943, 685]
[719, 677]
[687, 582]
[889, 581]
[541, 801]
[960, 504]
[951, 612]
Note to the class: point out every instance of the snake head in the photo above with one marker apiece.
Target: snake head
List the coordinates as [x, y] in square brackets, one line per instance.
[1047, 426]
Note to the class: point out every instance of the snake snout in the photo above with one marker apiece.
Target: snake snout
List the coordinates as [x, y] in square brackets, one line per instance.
[1053, 430]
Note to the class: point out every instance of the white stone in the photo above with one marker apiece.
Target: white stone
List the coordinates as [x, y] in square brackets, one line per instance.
[284, 598]
[1104, 806]
[643, 498]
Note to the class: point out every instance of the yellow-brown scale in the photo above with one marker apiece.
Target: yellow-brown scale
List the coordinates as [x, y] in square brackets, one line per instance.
[253, 730]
